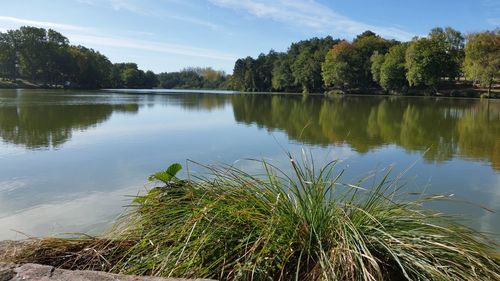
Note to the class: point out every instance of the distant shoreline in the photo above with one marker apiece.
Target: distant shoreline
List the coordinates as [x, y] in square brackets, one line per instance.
[452, 92]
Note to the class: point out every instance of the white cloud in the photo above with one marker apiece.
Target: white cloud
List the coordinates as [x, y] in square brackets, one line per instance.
[151, 46]
[131, 6]
[196, 21]
[45, 24]
[88, 36]
[309, 14]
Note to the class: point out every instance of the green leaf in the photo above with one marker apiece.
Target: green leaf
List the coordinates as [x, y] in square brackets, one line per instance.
[174, 169]
[167, 175]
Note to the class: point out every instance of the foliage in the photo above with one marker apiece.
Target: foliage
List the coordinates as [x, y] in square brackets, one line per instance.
[367, 44]
[316, 64]
[193, 78]
[425, 62]
[298, 69]
[377, 60]
[307, 57]
[392, 71]
[341, 65]
[167, 175]
[282, 78]
[482, 58]
[352, 65]
[90, 69]
[45, 56]
[7, 56]
[453, 43]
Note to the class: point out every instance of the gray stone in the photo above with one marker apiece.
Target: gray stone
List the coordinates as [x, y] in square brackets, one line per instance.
[37, 272]
[7, 272]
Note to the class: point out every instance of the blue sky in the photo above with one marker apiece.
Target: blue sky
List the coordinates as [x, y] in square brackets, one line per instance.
[167, 35]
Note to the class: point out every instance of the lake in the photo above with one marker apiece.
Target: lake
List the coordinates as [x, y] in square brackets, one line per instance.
[70, 160]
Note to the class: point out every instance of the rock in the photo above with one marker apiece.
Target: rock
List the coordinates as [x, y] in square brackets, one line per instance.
[7, 272]
[37, 272]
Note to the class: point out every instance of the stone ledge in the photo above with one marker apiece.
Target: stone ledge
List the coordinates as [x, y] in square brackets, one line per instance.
[37, 272]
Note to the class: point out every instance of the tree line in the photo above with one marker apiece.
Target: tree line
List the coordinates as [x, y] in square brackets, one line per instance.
[319, 64]
[194, 78]
[46, 57]
[371, 61]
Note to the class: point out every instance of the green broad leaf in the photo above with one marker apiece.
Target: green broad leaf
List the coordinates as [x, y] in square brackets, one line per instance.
[167, 175]
[174, 169]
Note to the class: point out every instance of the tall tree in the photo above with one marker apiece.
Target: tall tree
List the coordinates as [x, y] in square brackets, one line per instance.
[307, 57]
[8, 56]
[426, 63]
[341, 66]
[482, 58]
[282, 78]
[32, 51]
[377, 60]
[392, 70]
[367, 44]
[453, 43]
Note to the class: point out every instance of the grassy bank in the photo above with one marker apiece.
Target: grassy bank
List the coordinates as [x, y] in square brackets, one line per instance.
[307, 225]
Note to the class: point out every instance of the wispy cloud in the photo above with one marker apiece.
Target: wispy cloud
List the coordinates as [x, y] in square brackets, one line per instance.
[196, 21]
[88, 36]
[309, 14]
[133, 7]
[44, 24]
[152, 46]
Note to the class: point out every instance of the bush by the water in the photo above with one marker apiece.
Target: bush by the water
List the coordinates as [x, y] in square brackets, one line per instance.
[307, 225]
[304, 226]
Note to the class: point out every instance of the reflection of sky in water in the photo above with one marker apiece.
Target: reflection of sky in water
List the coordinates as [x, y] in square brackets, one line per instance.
[81, 185]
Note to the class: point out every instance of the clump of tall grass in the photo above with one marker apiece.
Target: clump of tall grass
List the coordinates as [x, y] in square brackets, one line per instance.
[303, 226]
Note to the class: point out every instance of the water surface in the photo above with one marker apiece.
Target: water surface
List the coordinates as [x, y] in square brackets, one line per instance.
[69, 159]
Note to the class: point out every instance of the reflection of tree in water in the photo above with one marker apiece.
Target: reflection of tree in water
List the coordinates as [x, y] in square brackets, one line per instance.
[49, 125]
[479, 133]
[202, 102]
[444, 127]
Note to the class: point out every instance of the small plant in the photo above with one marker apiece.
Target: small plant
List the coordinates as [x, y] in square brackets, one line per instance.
[167, 175]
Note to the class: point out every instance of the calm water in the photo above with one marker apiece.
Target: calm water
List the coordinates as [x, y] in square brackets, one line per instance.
[69, 159]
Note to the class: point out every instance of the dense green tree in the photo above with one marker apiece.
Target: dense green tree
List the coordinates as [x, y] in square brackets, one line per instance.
[31, 44]
[307, 57]
[193, 78]
[150, 79]
[93, 70]
[244, 75]
[58, 65]
[46, 56]
[132, 77]
[282, 78]
[426, 62]
[377, 60]
[341, 66]
[367, 44]
[482, 58]
[298, 68]
[392, 70]
[8, 56]
[453, 43]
